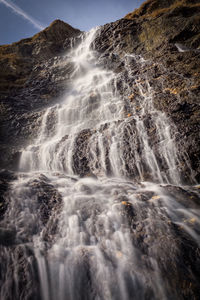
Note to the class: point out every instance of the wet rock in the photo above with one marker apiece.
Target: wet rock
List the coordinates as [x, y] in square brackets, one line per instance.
[7, 237]
[28, 71]
[80, 159]
[5, 178]
[173, 75]
[49, 204]
[20, 261]
[142, 51]
[158, 235]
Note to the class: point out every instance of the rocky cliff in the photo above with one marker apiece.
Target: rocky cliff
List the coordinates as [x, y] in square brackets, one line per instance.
[106, 124]
[165, 33]
[19, 59]
[27, 83]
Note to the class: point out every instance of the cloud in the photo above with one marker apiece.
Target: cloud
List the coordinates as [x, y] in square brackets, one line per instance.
[22, 13]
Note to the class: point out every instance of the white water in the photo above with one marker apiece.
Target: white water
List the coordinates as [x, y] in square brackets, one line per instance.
[90, 103]
[95, 253]
[93, 101]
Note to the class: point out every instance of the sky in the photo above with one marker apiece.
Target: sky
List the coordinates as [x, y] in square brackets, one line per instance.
[23, 18]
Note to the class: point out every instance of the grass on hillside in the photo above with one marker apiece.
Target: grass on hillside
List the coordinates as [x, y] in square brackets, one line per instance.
[155, 8]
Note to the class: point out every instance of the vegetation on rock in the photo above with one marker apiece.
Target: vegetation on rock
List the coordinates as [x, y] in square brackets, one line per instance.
[154, 8]
[157, 31]
[18, 59]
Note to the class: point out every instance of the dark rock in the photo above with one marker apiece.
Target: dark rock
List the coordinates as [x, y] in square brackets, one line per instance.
[28, 70]
[31, 80]
[7, 237]
[5, 178]
[49, 204]
[173, 75]
[152, 31]
[80, 159]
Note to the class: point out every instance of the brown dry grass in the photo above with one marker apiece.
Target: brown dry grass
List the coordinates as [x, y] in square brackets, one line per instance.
[155, 8]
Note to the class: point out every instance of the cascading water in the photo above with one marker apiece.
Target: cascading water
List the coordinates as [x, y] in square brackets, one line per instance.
[80, 229]
[90, 103]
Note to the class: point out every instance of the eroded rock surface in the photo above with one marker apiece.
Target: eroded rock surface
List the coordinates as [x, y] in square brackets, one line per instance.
[144, 233]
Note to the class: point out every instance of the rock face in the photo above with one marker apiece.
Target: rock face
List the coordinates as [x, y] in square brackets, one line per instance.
[88, 235]
[166, 33]
[18, 59]
[27, 71]
[169, 36]
[34, 72]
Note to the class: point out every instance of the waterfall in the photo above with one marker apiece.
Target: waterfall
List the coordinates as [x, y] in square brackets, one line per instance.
[97, 206]
[93, 102]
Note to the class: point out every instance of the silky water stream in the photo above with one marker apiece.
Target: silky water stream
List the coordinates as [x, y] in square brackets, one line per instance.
[83, 221]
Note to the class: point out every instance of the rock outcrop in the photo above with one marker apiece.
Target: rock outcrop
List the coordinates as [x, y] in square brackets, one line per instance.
[144, 236]
[169, 35]
[27, 82]
[18, 60]
[166, 34]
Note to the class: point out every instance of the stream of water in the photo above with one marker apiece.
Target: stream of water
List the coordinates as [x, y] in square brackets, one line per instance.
[81, 226]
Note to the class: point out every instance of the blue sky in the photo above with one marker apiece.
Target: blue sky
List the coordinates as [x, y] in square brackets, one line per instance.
[23, 18]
